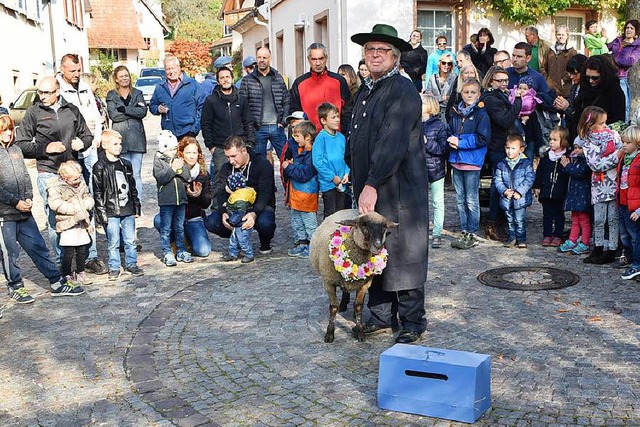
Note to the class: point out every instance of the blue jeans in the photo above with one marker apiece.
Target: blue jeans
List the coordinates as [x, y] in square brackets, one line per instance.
[126, 224]
[629, 236]
[517, 222]
[624, 85]
[273, 133]
[436, 189]
[265, 225]
[26, 234]
[467, 184]
[240, 240]
[136, 163]
[198, 237]
[304, 224]
[494, 157]
[171, 219]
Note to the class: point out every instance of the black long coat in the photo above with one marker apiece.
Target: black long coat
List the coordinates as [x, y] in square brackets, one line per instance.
[387, 153]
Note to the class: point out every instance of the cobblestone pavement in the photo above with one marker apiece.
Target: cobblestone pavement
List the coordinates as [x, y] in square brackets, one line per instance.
[242, 345]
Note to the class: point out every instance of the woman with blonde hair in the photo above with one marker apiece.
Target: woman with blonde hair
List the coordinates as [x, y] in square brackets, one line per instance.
[440, 85]
[126, 108]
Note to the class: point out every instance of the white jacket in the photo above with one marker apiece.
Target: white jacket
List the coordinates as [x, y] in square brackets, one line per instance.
[85, 101]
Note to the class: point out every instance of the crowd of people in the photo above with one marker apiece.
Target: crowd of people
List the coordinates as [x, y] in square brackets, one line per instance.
[482, 109]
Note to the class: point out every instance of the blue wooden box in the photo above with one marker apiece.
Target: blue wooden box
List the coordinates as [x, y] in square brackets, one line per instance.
[449, 384]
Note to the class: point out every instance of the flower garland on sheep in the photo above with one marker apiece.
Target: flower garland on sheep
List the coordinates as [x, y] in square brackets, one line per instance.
[350, 271]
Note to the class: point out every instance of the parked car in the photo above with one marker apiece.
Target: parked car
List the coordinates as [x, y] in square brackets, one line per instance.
[156, 72]
[20, 106]
[147, 85]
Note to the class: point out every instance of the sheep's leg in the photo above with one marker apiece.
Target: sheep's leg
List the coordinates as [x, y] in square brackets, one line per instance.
[344, 302]
[333, 310]
[357, 306]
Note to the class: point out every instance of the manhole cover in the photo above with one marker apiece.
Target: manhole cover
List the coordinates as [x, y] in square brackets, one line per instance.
[528, 278]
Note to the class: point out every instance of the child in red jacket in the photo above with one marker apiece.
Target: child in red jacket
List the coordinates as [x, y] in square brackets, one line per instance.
[629, 200]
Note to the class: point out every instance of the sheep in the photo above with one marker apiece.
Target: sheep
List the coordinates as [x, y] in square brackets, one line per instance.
[365, 239]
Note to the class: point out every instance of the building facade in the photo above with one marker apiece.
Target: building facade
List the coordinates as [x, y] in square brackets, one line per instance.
[289, 26]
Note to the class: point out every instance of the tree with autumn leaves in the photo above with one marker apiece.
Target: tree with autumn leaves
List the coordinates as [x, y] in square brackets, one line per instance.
[194, 56]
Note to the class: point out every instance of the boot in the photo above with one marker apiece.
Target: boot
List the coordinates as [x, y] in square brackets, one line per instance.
[607, 257]
[594, 256]
[493, 232]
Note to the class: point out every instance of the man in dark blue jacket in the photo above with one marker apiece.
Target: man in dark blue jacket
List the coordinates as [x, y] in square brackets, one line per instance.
[179, 100]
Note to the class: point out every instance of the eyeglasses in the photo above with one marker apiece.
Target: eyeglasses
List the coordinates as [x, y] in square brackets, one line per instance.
[593, 78]
[442, 44]
[376, 50]
[573, 72]
[500, 61]
[46, 92]
[501, 80]
[448, 64]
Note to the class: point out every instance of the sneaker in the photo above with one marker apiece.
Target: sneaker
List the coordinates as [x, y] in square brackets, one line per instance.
[580, 249]
[21, 295]
[169, 260]
[265, 249]
[305, 252]
[66, 288]
[96, 266]
[630, 273]
[621, 262]
[113, 275]
[296, 250]
[567, 246]
[83, 279]
[509, 244]
[247, 259]
[184, 256]
[555, 242]
[437, 242]
[134, 270]
[546, 241]
[229, 258]
[522, 245]
[470, 241]
[459, 243]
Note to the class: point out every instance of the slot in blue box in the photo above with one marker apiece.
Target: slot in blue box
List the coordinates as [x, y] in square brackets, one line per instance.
[449, 384]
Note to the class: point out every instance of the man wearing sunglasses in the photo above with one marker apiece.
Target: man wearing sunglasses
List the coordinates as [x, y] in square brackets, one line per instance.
[52, 131]
[434, 57]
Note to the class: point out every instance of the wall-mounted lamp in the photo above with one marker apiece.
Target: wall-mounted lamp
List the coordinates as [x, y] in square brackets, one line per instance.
[303, 21]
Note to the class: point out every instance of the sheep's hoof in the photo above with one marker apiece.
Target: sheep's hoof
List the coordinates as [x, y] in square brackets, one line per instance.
[328, 337]
[360, 336]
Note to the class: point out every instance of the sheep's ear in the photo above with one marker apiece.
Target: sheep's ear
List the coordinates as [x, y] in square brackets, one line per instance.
[391, 224]
[347, 222]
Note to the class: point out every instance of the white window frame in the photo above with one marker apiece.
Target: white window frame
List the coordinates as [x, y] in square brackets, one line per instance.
[430, 45]
[573, 14]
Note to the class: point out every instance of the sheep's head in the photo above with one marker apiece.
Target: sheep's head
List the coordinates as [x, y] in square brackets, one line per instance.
[370, 231]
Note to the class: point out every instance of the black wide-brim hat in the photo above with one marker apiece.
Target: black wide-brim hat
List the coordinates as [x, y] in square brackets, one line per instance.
[382, 33]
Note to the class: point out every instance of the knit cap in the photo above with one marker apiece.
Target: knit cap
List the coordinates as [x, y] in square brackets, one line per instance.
[236, 180]
[526, 80]
[166, 141]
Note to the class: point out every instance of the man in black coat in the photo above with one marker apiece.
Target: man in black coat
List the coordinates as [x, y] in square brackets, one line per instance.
[389, 176]
[225, 114]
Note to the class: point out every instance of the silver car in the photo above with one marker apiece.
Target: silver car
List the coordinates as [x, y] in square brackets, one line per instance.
[147, 85]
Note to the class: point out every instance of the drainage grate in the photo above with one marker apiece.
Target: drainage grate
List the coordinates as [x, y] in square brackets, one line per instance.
[528, 278]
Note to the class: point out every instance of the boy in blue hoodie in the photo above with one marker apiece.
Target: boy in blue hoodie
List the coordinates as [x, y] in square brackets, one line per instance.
[302, 189]
[513, 179]
[328, 159]
[470, 131]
